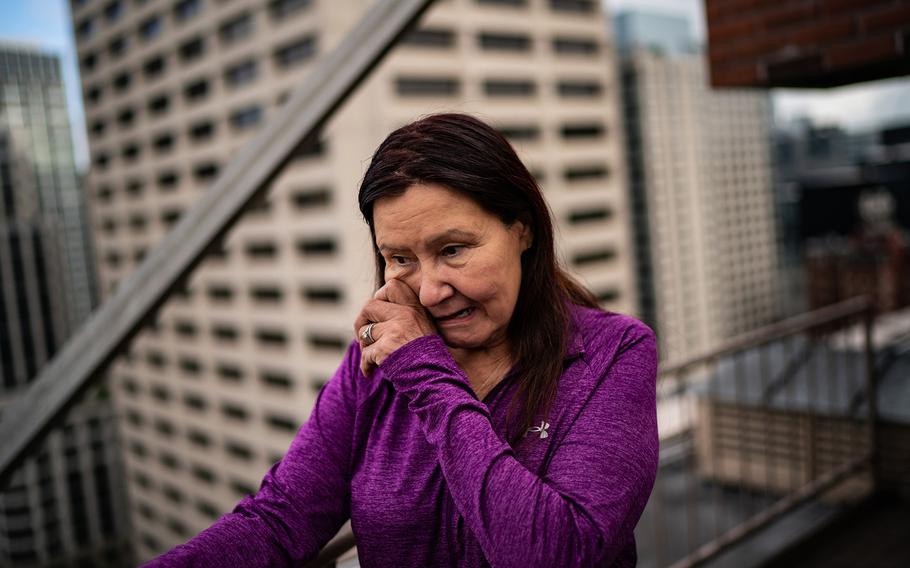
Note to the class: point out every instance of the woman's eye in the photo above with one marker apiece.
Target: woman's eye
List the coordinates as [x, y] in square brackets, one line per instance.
[400, 260]
[451, 250]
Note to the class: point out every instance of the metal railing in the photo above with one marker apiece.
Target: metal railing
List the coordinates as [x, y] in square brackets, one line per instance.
[759, 426]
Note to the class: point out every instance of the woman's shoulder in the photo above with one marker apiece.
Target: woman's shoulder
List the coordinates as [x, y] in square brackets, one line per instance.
[599, 332]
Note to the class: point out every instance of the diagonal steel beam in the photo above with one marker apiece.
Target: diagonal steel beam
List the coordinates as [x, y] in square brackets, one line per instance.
[109, 329]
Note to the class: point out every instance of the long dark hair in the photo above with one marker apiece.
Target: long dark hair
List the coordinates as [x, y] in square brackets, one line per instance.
[462, 153]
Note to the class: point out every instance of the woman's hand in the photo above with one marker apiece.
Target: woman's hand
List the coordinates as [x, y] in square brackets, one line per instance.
[393, 317]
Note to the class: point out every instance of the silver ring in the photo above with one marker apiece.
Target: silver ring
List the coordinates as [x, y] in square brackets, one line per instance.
[367, 334]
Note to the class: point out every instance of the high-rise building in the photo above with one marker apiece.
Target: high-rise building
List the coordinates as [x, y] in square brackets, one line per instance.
[214, 390]
[700, 182]
[64, 503]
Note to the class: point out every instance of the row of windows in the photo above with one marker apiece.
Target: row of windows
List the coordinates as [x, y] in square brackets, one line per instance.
[407, 86]
[191, 50]
[231, 411]
[572, 131]
[231, 29]
[284, 57]
[442, 38]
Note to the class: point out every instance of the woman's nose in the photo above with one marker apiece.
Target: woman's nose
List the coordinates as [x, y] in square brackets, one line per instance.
[433, 289]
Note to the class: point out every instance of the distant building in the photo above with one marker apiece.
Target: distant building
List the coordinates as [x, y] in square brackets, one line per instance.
[65, 503]
[851, 224]
[655, 32]
[214, 390]
[700, 182]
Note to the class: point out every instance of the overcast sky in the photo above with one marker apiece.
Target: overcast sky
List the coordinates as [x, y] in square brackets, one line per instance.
[45, 23]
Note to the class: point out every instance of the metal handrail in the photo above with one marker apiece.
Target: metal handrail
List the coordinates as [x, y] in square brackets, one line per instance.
[80, 361]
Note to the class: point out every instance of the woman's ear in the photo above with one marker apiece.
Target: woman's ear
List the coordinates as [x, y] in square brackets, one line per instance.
[526, 237]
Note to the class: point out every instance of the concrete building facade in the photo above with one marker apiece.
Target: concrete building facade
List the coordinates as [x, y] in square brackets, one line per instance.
[701, 188]
[214, 390]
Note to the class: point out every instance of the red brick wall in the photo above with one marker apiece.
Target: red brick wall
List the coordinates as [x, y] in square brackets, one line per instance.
[807, 43]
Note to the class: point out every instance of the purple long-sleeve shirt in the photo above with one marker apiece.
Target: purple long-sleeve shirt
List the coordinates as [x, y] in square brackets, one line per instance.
[423, 469]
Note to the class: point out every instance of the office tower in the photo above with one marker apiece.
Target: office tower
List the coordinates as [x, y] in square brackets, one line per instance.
[64, 504]
[216, 387]
[700, 182]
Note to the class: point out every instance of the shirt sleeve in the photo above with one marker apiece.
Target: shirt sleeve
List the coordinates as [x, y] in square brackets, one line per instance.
[303, 499]
[584, 510]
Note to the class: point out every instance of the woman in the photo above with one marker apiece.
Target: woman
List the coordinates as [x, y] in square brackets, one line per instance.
[487, 414]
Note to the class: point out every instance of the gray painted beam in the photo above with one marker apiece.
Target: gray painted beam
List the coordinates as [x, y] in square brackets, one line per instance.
[109, 329]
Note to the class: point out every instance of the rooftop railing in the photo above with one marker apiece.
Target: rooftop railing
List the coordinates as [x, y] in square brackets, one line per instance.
[780, 417]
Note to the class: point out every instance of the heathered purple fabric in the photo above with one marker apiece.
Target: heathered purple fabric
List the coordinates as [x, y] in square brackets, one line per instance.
[422, 468]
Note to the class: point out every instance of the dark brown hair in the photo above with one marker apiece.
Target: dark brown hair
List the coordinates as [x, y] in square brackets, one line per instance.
[462, 153]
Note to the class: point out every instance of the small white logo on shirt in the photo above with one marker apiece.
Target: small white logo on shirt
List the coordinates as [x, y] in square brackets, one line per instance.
[542, 429]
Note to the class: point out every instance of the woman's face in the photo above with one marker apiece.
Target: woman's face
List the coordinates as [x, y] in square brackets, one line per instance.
[462, 262]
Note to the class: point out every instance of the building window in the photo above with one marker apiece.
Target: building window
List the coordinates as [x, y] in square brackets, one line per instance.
[186, 328]
[520, 133]
[321, 246]
[122, 82]
[131, 151]
[509, 88]
[89, 61]
[236, 28]
[241, 73]
[195, 402]
[199, 438]
[196, 91]
[246, 117]
[170, 216]
[220, 292]
[504, 42]
[322, 294]
[190, 366]
[169, 460]
[85, 28]
[582, 173]
[575, 46]
[192, 49]
[581, 131]
[593, 257]
[206, 172]
[579, 88]
[324, 341]
[167, 181]
[102, 160]
[281, 9]
[204, 474]
[282, 423]
[164, 143]
[161, 393]
[159, 104]
[230, 373]
[277, 380]
[150, 28]
[154, 66]
[207, 509]
[271, 337]
[93, 94]
[238, 450]
[234, 411]
[262, 249]
[117, 47]
[591, 215]
[126, 117]
[134, 188]
[427, 86]
[187, 9]
[578, 6]
[429, 38]
[295, 53]
[97, 127]
[309, 198]
[202, 131]
[224, 332]
[267, 294]
[113, 11]
[608, 295]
